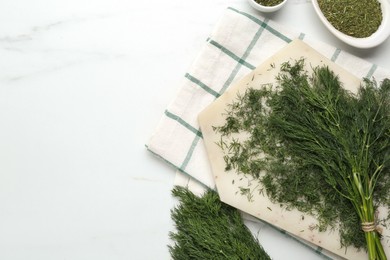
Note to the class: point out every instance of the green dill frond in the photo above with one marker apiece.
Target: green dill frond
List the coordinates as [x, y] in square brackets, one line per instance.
[206, 228]
[324, 150]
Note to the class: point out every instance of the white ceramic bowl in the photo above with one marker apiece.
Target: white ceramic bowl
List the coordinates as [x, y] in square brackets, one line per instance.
[374, 40]
[266, 9]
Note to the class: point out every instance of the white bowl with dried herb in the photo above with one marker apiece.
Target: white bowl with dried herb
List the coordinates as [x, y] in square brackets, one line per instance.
[362, 24]
[267, 6]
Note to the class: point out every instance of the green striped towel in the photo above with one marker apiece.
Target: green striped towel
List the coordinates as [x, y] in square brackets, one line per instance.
[238, 44]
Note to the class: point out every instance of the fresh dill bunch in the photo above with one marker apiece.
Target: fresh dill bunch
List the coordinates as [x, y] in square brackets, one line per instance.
[206, 228]
[316, 147]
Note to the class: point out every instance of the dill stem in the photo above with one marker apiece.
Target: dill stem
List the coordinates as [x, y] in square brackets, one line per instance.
[371, 245]
[374, 246]
[379, 247]
[366, 213]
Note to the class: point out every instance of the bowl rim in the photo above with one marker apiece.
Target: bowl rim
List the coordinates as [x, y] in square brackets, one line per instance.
[371, 41]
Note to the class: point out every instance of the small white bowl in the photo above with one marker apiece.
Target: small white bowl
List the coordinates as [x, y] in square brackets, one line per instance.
[266, 9]
[374, 40]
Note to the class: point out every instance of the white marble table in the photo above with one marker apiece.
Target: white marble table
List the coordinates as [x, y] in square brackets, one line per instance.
[82, 87]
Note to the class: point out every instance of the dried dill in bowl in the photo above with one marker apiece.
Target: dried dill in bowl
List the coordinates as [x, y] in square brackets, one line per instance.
[316, 147]
[356, 18]
[269, 2]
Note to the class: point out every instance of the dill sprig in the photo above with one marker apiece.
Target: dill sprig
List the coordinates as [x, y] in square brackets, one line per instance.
[210, 229]
[316, 147]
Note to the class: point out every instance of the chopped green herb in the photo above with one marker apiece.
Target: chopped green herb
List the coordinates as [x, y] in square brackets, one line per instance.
[356, 18]
[316, 147]
[210, 229]
[269, 2]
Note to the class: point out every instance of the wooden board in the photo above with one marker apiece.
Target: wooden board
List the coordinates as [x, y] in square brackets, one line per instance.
[228, 183]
